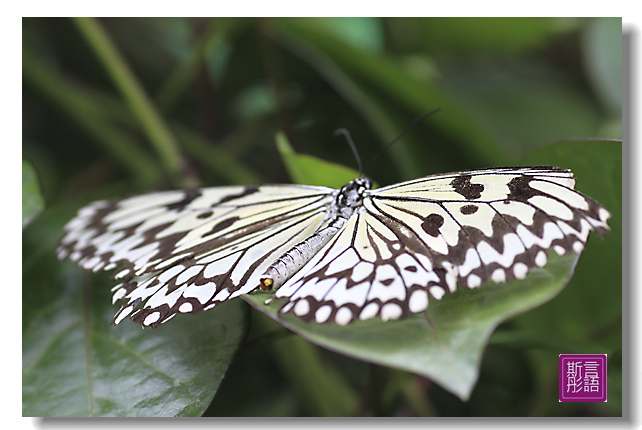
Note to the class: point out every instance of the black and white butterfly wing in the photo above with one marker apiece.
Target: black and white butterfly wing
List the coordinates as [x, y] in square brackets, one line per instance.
[400, 247]
[415, 241]
[365, 271]
[186, 251]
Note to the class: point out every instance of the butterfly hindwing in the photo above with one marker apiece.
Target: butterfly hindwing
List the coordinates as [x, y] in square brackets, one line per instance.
[368, 270]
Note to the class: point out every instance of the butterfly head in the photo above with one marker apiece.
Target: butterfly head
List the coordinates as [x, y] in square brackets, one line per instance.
[362, 182]
[351, 195]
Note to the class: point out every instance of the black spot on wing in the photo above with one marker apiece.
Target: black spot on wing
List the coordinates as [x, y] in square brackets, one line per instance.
[468, 209]
[432, 224]
[520, 189]
[190, 196]
[88, 252]
[247, 190]
[97, 222]
[469, 191]
[151, 235]
[222, 225]
[131, 230]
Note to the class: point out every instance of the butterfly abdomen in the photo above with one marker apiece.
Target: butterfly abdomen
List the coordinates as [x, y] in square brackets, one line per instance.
[295, 258]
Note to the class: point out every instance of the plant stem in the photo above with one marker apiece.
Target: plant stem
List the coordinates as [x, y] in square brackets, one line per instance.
[150, 121]
[85, 109]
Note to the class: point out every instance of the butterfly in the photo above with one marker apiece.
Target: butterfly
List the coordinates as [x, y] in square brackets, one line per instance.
[331, 255]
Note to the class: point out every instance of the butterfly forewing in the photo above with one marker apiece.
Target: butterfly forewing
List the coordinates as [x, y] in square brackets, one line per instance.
[184, 251]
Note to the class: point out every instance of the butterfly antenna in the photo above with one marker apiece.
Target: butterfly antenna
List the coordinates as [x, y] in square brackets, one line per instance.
[411, 125]
[346, 133]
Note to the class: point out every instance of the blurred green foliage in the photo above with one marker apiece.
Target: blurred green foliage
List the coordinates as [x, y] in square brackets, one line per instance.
[32, 202]
[115, 107]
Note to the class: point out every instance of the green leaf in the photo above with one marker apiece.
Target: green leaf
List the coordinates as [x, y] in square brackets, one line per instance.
[76, 364]
[32, 200]
[309, 170]
[444, 345]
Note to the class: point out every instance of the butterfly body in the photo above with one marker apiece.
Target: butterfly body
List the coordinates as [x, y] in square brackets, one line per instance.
[348, 199]
[334, 256]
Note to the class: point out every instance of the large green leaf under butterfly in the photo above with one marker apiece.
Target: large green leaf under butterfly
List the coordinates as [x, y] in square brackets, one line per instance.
[340, 255]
